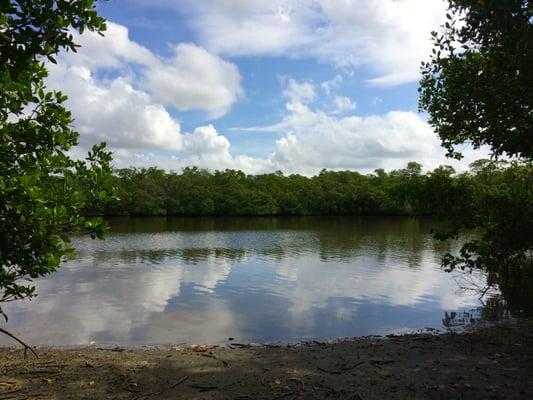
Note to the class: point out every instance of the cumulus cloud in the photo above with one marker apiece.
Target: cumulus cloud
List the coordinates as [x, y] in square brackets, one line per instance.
[191, 79]
[312, 139]
[140, 131]
[195, 79]
[332, 84]
[391, 37]
[252, 27]
[110, 51]
[204, 148]
[129, 113]
[318, 140]
[343, 104]
[302, 92]
[126, 107]
[114, 111]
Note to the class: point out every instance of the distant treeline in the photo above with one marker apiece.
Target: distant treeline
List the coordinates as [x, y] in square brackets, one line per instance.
[405, 191]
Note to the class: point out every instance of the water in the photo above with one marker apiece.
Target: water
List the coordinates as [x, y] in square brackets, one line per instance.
[192, 280]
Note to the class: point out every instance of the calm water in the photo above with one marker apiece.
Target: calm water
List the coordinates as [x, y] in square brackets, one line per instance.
[161, 281]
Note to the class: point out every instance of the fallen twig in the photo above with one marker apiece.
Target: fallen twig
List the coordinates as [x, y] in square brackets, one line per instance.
[333, 372]
[179, 381]
[145, 396]
[203, 388]
[225, 363]
[132, 388]
[349, 367]
[26, 346]
[381, 362]
[42, 371]
[115, 349]
[48, 365]
[286, 394]
[3, 394]
[357, 396]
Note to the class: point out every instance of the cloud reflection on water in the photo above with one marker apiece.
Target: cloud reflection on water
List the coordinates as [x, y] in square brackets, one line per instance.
[320, 279]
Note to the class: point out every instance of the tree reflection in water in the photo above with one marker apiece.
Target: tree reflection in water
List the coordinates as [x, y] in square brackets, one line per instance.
[508, 295]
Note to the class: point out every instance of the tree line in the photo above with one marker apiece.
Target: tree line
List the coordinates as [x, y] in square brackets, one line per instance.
[406, 191]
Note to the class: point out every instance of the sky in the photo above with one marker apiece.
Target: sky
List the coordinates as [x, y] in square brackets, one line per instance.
[257, 85]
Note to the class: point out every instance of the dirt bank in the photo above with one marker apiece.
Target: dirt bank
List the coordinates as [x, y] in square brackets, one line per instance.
[488, 363]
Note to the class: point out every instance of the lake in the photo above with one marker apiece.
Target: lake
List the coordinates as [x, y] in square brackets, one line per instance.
[204, 280]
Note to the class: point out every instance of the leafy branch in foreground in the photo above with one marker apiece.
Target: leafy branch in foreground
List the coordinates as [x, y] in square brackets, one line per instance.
[44, 194]
[478, 90]
[478, 84]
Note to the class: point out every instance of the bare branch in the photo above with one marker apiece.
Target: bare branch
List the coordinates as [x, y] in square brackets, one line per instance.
[26, 346]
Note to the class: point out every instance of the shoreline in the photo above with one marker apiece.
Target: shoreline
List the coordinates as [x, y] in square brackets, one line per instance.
[494, 361]
[229, 342]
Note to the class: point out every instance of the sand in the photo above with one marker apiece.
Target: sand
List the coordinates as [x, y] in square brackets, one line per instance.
[494, 362]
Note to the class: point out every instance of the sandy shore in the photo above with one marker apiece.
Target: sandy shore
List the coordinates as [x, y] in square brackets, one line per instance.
[488, 363]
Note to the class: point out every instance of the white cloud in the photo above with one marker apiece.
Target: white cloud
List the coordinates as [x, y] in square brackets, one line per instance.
[312, 140]
[192, 79]
[204, 148]
[301, 92]
[115, 112]
[391, 37]
[245, 27]
[206, 140]
[343, 104]
[110, 51]
[142, 133]
[376, 100]
[139, 131]
[128, 112]
[393, 79]
[318, 140]
[330, 85]
[195, 79]
[177, 161]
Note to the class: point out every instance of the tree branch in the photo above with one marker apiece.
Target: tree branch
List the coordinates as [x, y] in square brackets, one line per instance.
[26, 346]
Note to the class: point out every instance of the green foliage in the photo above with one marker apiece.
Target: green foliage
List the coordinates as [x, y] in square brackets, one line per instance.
[478, 90]
[496, 201]
[405, 191]
[501, 209]
[478, 84]
[230, 192]
[44, 194]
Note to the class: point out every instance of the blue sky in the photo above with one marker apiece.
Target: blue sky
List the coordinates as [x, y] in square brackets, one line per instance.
[291, 85]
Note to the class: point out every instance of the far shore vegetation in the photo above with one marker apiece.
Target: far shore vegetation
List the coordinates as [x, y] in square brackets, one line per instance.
[403, 192]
